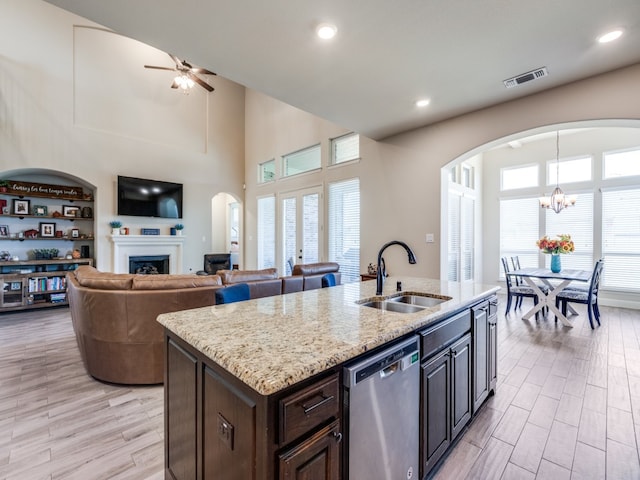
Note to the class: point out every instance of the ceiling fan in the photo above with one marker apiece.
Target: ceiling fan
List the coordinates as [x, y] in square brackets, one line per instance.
[187, 75]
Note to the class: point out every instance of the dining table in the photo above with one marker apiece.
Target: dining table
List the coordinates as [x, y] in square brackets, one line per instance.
[555, 282]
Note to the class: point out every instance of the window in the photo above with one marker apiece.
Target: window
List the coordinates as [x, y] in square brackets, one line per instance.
[344, 227]
[461, 238]
[345, 148]
[577, 221]
[622, 164]
[519, 177]
[267, 171]
[266, 232]
[621, 239]
[575, 170]
[301, 161]
[519, 229]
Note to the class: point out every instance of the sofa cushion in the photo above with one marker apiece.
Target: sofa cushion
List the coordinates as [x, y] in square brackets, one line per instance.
[165, 282]
[244, 276]
[315, 268]
[90, 277]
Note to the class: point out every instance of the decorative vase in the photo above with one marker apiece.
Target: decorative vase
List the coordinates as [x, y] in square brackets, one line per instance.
[115, 231]
[556, 265]
[179, 232]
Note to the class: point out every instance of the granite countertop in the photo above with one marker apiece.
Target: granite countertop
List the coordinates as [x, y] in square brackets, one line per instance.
[274, 342]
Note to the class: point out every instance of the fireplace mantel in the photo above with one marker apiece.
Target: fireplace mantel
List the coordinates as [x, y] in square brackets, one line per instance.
[125, 246]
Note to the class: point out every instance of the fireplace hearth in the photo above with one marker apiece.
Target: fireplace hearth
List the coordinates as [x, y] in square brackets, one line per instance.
[149, 264]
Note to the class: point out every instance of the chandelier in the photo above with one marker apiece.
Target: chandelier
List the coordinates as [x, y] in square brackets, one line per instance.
[558, 200]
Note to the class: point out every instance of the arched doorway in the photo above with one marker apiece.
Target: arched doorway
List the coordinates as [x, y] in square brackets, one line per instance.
[226, 221]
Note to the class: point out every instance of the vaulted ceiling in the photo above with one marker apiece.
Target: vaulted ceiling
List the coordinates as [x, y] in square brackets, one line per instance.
[386, 54]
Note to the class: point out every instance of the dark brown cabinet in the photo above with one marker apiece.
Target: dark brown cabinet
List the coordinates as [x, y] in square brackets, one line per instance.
[316, 458]
[216, 427]
[484, 318]
[446, 399]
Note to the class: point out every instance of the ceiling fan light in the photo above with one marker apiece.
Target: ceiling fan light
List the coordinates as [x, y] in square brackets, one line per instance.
[184, 82]
[610, 36]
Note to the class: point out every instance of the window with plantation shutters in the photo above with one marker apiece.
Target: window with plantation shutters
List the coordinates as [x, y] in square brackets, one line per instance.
[461, 238]
[266, 232]
[453, 249]
[621, 239]
[344, 227]
[345, 148]
[576, 221]
[519, 227]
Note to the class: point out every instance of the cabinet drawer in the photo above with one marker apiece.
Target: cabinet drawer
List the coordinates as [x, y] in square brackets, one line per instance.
[435, 338]
[308, 408]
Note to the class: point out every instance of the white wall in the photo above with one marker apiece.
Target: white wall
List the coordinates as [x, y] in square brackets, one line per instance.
[90, 116]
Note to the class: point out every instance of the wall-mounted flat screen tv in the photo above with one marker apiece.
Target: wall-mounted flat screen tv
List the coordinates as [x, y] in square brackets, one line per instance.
[149, 198]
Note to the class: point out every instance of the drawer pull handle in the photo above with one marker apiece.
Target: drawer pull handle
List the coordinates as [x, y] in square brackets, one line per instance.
[337, 436]
[310, 408]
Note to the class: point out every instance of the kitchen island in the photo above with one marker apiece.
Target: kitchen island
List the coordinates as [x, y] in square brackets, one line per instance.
[253, 389]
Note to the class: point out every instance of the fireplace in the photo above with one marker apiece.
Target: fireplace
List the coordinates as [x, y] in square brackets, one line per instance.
[149, 264]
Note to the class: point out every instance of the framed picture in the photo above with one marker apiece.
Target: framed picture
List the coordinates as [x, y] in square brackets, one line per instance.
[21, 207]
[70, 211]
[47, 229]
[4, 230]
[40, 210]
[16, 286]
[75, 233]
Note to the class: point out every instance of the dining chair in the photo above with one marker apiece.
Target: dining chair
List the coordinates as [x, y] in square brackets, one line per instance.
[328, 280]
[515, 262]
[516, 291]
[588, 298]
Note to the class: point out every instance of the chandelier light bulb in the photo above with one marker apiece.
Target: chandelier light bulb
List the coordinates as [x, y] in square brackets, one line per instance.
[326, 31]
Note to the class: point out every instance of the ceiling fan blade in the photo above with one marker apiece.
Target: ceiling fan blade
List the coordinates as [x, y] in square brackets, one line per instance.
[202, 71]
[203, 84]
[160, 68]
[176, 60]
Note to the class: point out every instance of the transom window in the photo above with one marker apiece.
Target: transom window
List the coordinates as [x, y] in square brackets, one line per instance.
[519, 177]
[622, 164]
[267, 171]
[301, 161]
[345, 148]
[573, 170]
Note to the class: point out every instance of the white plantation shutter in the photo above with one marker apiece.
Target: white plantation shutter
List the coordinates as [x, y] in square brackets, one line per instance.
[454, 238]
[577, 221]
[621, 239]
[301, 161]
[467, 257]
[266, 232]
[519, 227]
[345, 148]
[344, 227]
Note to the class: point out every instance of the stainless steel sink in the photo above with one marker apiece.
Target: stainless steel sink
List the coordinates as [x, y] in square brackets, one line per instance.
[397, 307]
[420, 300]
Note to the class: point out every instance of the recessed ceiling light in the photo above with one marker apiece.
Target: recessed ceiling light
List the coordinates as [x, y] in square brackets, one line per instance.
[610, 36]
[326, 31]
[423, 102]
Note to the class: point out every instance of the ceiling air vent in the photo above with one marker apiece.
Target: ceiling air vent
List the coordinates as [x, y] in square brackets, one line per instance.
[526, 77]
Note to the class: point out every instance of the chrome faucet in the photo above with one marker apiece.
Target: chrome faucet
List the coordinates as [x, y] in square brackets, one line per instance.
[381, 270]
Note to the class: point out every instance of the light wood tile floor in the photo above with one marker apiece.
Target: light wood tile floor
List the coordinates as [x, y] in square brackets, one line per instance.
[567, 403]
[567, 407]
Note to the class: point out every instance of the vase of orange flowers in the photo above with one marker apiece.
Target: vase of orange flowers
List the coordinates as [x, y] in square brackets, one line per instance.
[555, 247]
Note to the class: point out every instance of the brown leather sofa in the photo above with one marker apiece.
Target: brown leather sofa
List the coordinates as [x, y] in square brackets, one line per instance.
[114, 314]
[114, 319]
[312, 273]
[262, 283]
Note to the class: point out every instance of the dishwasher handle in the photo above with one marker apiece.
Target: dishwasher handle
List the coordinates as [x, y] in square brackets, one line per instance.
[390, 370]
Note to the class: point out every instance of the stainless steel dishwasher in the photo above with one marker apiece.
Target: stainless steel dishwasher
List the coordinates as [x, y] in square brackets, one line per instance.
[382, 402]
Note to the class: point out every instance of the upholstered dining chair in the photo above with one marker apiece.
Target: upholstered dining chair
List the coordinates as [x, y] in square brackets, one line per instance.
[516, 291]
[233, 293]
[588, 298]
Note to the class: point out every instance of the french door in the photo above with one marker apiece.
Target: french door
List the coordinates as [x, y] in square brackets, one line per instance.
[301, 227]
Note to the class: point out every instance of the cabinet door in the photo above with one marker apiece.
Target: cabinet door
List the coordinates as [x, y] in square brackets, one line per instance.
[460, 385]
[180, 413]
[435, 411]
[480, 356]
[317, 458]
